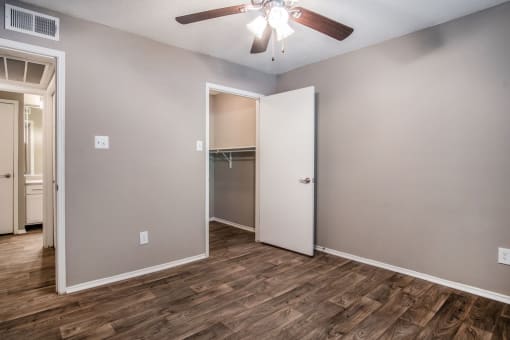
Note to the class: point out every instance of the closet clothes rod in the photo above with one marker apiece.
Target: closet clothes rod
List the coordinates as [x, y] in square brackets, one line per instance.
[227, 153]
[232, 150]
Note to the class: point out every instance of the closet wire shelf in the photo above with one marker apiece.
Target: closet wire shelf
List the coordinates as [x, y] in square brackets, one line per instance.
[227, 152]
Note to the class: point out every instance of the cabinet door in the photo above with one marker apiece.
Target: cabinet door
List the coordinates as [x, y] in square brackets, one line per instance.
[34, 209]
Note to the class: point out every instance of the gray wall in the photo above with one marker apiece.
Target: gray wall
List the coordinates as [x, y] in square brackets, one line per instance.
[232, 121]
[234, 189]
[150, 99]
[21, 153]
[36, 117]
[211, 185]
[414, 149]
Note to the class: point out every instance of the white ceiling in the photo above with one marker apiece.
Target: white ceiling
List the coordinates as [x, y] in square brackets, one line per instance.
[227, 38]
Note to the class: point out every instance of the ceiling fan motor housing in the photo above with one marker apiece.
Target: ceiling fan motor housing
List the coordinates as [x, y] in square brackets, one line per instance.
[268, 4]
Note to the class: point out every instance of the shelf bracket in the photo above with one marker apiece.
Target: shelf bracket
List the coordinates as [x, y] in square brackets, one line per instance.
[228, 158]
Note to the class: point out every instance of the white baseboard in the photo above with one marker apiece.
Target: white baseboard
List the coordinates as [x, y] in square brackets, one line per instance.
[232, 224]
[456, 285]
[135, 273]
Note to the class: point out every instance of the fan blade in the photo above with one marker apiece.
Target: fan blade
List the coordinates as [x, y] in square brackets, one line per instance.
[322, 24]
[215, 13]
[260, 45]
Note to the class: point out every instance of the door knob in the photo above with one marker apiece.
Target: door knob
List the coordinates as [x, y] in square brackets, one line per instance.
[306, 180]
[6, 176]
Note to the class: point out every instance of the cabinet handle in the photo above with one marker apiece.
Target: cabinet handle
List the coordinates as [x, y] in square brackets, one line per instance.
[6, 176]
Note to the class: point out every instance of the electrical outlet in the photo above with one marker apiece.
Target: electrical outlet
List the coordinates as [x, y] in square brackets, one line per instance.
[101, 142]
[144, 237]
[200, 145]
[504, 256]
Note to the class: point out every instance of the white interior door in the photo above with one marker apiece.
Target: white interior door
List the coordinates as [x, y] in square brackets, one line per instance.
[48, 201]
[286, 154]
[7, 133]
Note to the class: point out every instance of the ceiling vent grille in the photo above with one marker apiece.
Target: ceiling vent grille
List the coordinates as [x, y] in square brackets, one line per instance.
[23, 20]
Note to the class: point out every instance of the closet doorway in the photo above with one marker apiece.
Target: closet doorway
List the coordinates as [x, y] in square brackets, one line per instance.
[34, 76]
[231, 145]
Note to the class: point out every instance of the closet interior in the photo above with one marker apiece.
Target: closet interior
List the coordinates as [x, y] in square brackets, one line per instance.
[232, 159]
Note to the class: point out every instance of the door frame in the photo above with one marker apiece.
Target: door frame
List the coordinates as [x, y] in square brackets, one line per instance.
[60, 246]
[252, 95]
[15, 220]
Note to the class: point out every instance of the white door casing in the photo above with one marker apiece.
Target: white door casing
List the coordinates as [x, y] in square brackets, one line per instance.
[60, 237]
[8, 159]
[287, 170]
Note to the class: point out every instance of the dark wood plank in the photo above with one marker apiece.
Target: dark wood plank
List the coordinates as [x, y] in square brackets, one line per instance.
[386, 290]
[426, 307]
[449, 318]
[469, 332]
[272, 322]
[378, 322]
[506, 311]
[401, 329]
[373, 278]
[305, 325]
[484, 314]
[340, 324]
[502, 329]
[216, 331]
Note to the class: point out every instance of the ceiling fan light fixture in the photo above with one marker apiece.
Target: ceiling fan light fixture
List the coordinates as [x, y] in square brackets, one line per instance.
[274, 21]
[277, 17]
[284, 31]
[258, 26]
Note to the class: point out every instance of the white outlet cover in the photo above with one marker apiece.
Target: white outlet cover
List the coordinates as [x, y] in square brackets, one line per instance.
[101, 142]
[504, 256]
[200, 145]
[144, 237]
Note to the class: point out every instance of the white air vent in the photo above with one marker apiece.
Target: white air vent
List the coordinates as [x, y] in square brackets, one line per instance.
[23, 20]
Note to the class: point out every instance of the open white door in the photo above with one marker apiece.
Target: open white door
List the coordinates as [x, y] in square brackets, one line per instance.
[286, 154]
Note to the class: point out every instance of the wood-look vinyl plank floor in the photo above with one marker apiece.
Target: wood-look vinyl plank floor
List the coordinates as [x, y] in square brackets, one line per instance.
[244, 290]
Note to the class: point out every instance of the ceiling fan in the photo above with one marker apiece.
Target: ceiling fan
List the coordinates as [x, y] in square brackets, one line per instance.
[275, 15]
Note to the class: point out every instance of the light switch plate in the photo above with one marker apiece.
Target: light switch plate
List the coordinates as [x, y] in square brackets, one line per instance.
[504, 256]
[101, 142]
[200, 145]
[144, 237]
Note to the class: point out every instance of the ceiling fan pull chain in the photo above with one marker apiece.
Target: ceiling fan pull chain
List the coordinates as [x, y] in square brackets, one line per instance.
[273, 47]
[283, 46]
